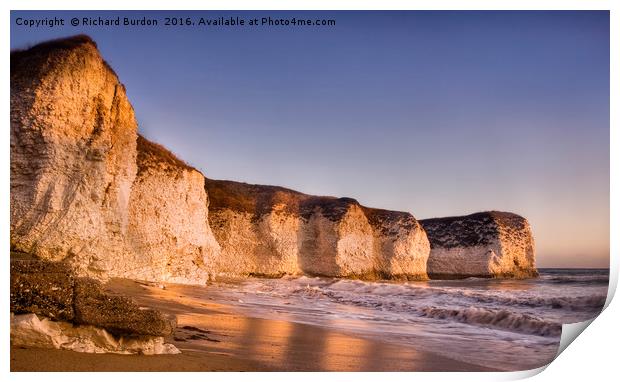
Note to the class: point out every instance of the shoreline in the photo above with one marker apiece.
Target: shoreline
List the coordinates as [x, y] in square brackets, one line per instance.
[213, 337]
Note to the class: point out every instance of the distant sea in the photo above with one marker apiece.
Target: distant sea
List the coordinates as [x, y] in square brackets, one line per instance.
[504, 324]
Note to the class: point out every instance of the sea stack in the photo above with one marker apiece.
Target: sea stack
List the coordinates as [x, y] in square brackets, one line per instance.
[485, 244]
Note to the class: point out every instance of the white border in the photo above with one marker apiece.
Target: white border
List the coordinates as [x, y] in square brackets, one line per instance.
[594, 355]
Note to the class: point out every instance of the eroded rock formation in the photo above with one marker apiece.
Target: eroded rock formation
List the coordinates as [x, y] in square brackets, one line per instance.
[84, 188]
[400, 243]
[28, 330]
[51, 289]
[485, 244]
[53, 308]
[271, 231]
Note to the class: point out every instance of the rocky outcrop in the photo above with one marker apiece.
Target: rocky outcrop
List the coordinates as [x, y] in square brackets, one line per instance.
[51, 289]
[117, 314]
[42, 287]
[272, 231]
[73, 154]
[85, 189]
[30, 331]
[485, 244]
[52, 308]
[168, 235]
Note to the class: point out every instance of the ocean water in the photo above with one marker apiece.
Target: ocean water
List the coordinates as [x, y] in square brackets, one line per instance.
[502, 324]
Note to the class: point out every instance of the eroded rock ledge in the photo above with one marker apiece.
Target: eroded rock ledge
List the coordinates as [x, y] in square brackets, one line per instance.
[53, 308]
[485, 244]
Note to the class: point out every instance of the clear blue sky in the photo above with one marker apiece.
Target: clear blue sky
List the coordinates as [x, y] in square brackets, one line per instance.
[436, 113]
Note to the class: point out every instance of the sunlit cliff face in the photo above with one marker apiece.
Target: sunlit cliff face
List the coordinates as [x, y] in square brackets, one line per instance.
[388, 127]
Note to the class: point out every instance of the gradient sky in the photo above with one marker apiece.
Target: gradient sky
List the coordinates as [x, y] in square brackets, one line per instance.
[436, 113]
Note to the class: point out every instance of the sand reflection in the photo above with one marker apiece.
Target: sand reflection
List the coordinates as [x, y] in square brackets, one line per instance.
[271, 344]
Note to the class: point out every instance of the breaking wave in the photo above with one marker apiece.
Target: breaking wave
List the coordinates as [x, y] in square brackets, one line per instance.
[380, 295]
[502, 319]
[482, 321]
[576, 303]
[534, 307]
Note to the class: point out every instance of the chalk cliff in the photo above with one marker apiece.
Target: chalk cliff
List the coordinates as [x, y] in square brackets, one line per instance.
[168, 235]
[85, 189]
[73, 154]
[272, 231]
[400, 242]
[485, 244]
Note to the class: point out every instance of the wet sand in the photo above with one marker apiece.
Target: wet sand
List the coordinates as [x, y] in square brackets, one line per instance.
[212, 337]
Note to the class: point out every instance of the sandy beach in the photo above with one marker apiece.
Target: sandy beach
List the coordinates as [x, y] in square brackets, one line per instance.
[212, 337]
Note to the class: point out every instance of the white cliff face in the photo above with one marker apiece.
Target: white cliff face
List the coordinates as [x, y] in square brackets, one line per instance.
[81, 191]
[27, 330]
[337, 246]
[266, 247]
[73, 155]
[400, 244]
[487, 244]
[168, 236]
[270, 231]
[463, 261]
[517, 248]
